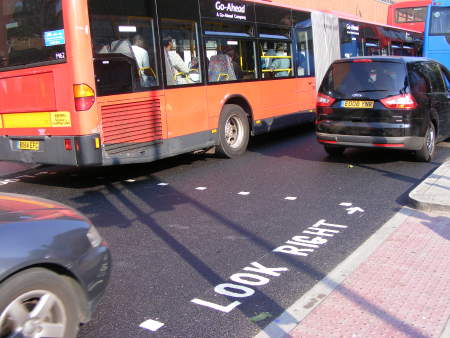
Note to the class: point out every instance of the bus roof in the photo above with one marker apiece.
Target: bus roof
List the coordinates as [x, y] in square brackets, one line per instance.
[346, 16]
[408, 4]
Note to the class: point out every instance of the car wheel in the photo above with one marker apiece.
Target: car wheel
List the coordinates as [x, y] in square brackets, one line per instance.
[425, 154]
[38, 303]
[334, 150]
[234, 131]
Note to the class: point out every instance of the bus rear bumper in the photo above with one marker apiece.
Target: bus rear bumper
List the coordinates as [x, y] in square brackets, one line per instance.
[60, 150]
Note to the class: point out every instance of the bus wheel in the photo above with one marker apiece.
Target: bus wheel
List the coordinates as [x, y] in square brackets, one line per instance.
[234, 131]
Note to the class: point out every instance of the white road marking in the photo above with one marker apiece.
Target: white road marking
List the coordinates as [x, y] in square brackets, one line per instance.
[151, 325]
[162, 184]
[201, 188]
[244, 193]
[291, 198]
[130, 180]
[346, 204]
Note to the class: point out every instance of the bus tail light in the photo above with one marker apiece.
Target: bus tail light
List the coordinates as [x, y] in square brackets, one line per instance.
[403, 101]
[324, 100]
[84, 97]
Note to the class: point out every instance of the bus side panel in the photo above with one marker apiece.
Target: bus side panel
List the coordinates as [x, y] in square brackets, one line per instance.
[217, 96]
[185, 110]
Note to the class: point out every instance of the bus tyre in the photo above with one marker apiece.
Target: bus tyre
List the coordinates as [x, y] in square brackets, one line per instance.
[234, 131]
[334, 151]
[38, 303]
[425, 154]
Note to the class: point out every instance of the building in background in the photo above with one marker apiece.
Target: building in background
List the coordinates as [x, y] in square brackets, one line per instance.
[370, 10]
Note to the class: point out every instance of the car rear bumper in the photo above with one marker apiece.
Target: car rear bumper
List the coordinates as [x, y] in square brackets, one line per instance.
[404, 142]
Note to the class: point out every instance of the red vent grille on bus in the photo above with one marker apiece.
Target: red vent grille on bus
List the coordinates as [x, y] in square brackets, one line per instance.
[126, 126]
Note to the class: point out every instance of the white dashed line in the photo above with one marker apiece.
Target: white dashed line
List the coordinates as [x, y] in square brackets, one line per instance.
[151, 325]
[244, 193]
[291, 198]
[130, 180]
[201, 188]
[162, 184]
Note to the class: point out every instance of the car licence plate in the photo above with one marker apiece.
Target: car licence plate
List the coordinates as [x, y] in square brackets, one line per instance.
[28, 145]
[357, 104]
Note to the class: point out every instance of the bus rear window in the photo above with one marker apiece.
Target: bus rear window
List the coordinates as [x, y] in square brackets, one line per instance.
[31, 32]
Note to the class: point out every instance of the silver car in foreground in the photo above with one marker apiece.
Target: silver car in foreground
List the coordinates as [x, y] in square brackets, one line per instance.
[54, 267]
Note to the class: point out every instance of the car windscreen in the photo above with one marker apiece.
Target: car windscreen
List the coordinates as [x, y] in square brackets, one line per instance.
[440, 21]
[374, 79]
[31, 32]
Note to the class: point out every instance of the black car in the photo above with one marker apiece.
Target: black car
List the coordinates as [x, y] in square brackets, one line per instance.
[384, 102]
[54, 266]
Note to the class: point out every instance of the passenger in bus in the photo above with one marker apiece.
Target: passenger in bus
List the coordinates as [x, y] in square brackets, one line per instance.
[282, 64]
[220, 67]
[143, 61]
[178, 68]
[233, 54]
[267, 59]
[170, 75]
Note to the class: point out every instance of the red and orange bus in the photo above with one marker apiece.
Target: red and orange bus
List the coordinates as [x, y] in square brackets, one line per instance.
[103, 82]
[408, 14]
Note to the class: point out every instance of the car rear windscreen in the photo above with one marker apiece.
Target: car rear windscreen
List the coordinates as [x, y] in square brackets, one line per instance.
[375, 79]
[31, 32]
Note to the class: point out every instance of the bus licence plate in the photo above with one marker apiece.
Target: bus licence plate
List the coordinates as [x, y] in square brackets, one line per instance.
[28, 145]
[358, 104]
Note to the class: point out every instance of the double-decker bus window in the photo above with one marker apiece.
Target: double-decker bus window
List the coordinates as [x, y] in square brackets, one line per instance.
[32, 33]
[440, 21]
[412, 14]
[123, 46]
[181, 56]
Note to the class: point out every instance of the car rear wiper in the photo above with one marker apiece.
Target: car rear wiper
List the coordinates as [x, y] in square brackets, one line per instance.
[372, 90]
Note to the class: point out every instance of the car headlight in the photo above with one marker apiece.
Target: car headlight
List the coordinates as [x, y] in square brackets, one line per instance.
[94, 237]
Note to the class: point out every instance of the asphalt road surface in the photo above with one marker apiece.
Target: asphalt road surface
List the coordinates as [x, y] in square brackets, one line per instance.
[209, 247]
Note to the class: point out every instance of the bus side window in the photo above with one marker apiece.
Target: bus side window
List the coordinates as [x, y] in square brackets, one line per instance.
[305, 53]
[123, 46]
[180, 52]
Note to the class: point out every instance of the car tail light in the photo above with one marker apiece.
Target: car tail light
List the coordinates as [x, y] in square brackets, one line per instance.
[84, 97]
[324, 100]
[403, 101]
[362, 60]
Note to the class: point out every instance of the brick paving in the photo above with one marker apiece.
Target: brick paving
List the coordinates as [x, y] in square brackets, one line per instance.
[402, 290]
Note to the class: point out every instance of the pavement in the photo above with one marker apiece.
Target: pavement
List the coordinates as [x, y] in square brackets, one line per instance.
[397, 284]
[8, 168]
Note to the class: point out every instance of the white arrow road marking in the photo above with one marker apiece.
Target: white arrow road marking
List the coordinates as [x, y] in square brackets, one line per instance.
[351, 211]
[151, 325]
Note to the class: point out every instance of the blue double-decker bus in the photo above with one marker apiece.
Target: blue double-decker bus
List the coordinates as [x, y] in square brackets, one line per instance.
[437, 32]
